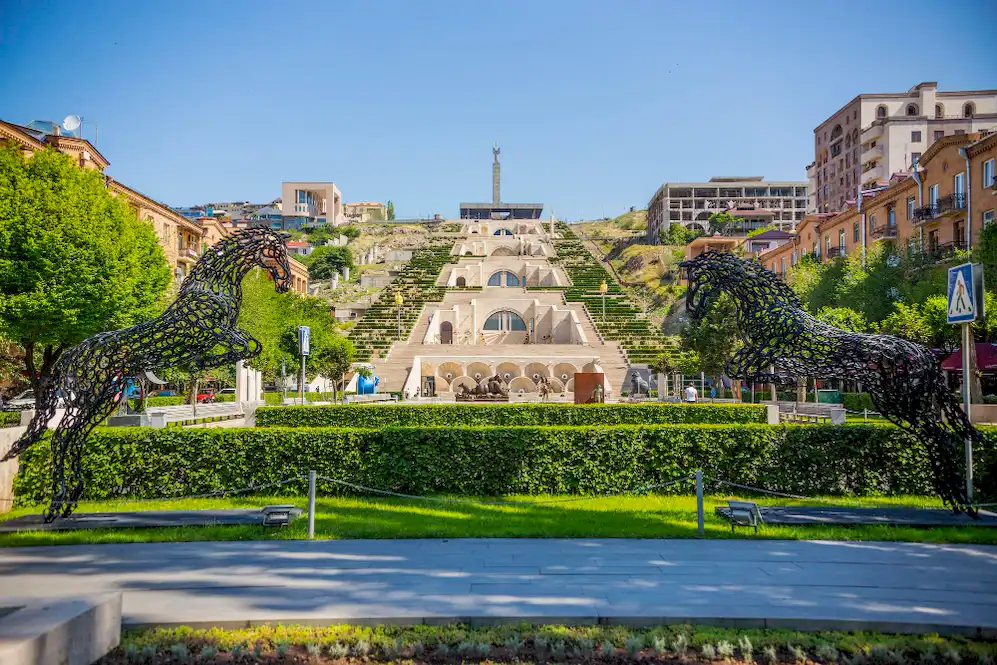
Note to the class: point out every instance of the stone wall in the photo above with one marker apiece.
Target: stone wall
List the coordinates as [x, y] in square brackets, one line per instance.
[8, 435]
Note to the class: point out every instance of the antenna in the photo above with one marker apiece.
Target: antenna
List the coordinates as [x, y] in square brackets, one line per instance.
[71, 123]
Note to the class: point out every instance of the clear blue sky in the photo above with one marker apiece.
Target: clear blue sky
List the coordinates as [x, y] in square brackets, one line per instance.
[594, 104]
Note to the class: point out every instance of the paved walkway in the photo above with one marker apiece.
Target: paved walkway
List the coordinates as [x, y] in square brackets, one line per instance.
[809, 585]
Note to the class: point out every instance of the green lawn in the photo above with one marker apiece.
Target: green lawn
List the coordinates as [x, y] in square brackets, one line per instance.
[543, 517]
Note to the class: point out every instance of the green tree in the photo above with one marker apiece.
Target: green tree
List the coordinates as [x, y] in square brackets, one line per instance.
[713, 338]
[325, 261]
[390, 210]
[74, 260]
[725, 223]
[985, 252]
[351, 232]
[844, 318]
[675, 234]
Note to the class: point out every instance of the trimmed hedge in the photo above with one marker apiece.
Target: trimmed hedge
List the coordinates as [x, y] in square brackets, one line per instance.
[857, 401]
[276, 398]
[147, 463]
[466, 415]
[10, 418]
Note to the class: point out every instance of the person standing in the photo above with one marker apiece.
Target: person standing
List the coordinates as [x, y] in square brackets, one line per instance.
[691, 394]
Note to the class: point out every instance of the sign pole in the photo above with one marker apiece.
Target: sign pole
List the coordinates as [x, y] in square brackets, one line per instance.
[967, 339]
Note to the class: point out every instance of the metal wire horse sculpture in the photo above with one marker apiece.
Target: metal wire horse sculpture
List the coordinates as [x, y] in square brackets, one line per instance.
[197, 331]
[904, 379]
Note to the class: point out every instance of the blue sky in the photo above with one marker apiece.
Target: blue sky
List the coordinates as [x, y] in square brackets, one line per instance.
[594, 104]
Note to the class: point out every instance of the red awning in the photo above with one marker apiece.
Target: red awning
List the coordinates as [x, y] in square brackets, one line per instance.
[986, 359]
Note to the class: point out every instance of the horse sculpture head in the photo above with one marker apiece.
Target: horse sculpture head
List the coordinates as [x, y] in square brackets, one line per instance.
[269, 249]
[713, 272]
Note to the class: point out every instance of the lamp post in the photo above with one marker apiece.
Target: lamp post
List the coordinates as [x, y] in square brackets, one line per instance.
[399, 301]
[602, 289]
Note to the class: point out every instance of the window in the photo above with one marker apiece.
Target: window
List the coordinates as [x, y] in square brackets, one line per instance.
[880, 111]
[939, 111]
[782, 263]
[959, 132]
[503, 232]
[912, 109]
[960, 183]
[872, 223]
[988, 173]
[855, 232]
[505, 321]
[988, 217]
[967, 110]
[939, 133]
[504, 278]
[841, 238]
[911, 202]
[915, 137]
[933, 195]
[891, 218]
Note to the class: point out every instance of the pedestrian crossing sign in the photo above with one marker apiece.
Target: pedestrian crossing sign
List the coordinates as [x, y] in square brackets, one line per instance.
[965, 293]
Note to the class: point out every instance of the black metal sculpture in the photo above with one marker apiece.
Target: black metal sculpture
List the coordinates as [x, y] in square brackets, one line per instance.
[197, 331]
[904, 379]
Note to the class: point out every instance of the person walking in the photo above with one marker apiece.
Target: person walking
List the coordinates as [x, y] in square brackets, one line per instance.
[691, 394]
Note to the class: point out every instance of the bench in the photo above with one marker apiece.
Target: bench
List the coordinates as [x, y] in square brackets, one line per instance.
[744, 513]
[159, 416]
[376, 397]
[811, 413]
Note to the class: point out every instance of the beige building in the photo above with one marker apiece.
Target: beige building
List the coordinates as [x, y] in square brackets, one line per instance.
[691, 204]
[365, 211]
[306, 204]
[877, 135]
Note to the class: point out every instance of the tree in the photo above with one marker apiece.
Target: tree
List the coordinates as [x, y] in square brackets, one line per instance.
[844, 318]
[713, 338]
[725, 223]
[985, 252]
[390, 210]
[74, 260]
[325, 261]
[351, 232]
[675, 234]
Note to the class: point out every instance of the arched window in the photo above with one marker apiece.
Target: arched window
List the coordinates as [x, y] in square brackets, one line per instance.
[836, 132]
[503, 232]
[880, 111]
[505, 321]
[967, 110]
[461, 281]
[503, 278]
[912, 109]
[939, 111]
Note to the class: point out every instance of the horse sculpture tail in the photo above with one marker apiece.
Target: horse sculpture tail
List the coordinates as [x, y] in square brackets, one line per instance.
[39, 423]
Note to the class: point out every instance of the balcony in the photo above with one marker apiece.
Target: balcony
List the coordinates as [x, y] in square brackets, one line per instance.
[305, 209]
[946, 250]
[873, 175]
[872, 132]
[869, 154]
[835, 252]
[927, 213]
[883, 232]
[951, 205]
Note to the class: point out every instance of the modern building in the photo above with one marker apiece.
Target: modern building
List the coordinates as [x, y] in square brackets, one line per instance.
[498, 209]
[365, 211]
[308, 204]
[691, 204]
[877, 135]
[939, 210]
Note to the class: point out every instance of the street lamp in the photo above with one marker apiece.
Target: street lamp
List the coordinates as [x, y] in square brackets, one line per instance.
[602, 289]
[399, 301]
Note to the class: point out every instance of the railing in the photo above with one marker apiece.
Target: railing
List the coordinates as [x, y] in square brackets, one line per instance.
[835, 252]
[946, 250]
[884, 232]
[926, 213]
[951, 204]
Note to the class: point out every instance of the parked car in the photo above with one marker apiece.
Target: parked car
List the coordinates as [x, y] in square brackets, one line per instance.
[165, 393]
[206, 397]
[25, 401]
[227, 391]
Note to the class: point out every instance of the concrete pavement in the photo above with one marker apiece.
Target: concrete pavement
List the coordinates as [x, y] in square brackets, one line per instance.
[899, 587]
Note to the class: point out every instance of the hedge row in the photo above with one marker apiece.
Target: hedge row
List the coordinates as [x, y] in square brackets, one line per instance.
[10, 418]
[277, 398]
[411, 415]
[147, 463]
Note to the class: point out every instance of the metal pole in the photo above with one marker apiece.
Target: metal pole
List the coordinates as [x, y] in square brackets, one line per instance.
[967, 339]
[283, 380]
[311, 505]
[699, 502]
[301, 383]
[603, 307]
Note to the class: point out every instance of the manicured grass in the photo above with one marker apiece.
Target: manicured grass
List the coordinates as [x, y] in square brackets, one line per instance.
[539, 517]
[526, 643]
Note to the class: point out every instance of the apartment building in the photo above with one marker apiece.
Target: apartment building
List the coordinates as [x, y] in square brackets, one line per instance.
[365, 211]
[938, 210]
[780, 204]
[874, 136]
[307, 204]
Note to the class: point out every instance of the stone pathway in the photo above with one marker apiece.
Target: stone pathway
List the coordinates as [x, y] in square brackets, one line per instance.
[799, 584]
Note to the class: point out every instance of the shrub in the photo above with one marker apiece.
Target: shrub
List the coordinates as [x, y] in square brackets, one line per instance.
[857, 401]
[148, 463]
[10, 418]
[410, 415]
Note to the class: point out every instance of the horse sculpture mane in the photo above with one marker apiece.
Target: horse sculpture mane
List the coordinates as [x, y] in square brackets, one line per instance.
[904, 379]
[197, 331]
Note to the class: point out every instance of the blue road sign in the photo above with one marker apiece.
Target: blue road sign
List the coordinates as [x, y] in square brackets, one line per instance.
[304, 340]
[962, 295]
